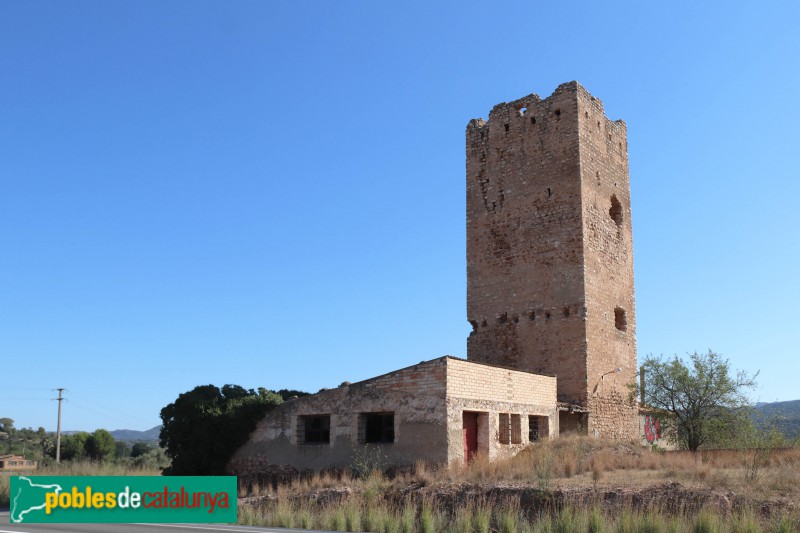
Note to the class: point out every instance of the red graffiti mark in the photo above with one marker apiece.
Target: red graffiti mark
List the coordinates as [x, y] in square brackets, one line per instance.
[652, 429]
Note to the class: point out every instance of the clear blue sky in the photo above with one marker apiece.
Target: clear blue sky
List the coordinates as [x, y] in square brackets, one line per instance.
[272, 193]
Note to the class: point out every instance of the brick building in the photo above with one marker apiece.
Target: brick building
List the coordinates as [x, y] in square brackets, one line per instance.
[549, 297]
[16, 463]
[440, 411]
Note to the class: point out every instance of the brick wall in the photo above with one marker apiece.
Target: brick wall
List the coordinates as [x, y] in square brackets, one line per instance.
[549, 253]
[492, 391]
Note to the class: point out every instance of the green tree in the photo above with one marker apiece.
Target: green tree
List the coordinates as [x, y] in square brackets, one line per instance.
[140, 448]
[7, 425]
[100, 445]
[204, 426]
[705, 402]
[73, 447]
[122, 449]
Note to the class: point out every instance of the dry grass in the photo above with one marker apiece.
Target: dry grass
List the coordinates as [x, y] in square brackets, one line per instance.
[575, 461]
[78, 468]
[465, 498]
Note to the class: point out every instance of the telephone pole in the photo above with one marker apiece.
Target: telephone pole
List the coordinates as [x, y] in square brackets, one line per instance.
[58, 428]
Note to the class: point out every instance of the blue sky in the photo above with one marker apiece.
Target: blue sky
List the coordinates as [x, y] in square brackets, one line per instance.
[272, 193]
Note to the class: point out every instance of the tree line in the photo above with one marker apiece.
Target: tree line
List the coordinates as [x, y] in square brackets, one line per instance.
[100, 445]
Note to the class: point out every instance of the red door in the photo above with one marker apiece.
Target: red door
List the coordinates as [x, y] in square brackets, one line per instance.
[470, 436]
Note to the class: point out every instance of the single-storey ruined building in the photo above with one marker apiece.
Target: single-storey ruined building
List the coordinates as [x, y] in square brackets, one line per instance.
[441, 411]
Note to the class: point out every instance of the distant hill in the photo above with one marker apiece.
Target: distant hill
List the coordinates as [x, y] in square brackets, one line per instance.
[784, 415]
[131, 435]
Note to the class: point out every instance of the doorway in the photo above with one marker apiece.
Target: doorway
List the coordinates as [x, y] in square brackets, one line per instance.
[470, 432]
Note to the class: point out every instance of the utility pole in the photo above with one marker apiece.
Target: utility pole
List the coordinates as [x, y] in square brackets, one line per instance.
[58, 428]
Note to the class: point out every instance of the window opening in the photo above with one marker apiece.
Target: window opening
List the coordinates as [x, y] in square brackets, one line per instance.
[378, 427]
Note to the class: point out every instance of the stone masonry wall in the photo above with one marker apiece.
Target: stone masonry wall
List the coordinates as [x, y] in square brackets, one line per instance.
[525, 298]
[416, 395]
[428, 401]
[549, 249]
[608, 258]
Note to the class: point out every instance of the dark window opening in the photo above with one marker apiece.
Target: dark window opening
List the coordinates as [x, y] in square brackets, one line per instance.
[533, 120]
[516, 429]
[509, 430]
[616, 210]
[620, 321]
[315, 429]
[532, 315]
[547, 314]
[537, 428]
[506, 127]
[378, 427]
[504, 428]
[558, 112]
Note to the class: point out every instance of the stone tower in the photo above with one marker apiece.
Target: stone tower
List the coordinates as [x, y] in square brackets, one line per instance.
[549, 253]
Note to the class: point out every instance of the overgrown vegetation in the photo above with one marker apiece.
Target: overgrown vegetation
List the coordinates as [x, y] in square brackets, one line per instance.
[87, 468]
[568, 484]
[204, 426]
[704, 399]
[506, 516]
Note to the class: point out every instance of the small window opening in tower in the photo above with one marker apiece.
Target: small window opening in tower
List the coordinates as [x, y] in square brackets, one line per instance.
[586, 114]
[523, 111]
[558, 113]
[566, 312]
[532, 315]
[503, 318]
[549, 192]
[484, 323]
[533, 120]
[515, 318]
[620, 321]
[506, 127]
[616, 210]
[547, 315]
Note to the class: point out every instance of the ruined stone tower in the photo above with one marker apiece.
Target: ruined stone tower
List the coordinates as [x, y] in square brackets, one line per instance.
[549, 253]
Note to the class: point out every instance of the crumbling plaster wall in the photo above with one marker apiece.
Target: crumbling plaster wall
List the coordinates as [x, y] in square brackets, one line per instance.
[416, 395]
[428, 401]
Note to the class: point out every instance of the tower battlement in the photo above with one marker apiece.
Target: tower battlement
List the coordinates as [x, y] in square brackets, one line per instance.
[549, 250]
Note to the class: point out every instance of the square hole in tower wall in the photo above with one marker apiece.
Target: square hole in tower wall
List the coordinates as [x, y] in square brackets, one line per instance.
[620, 320]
